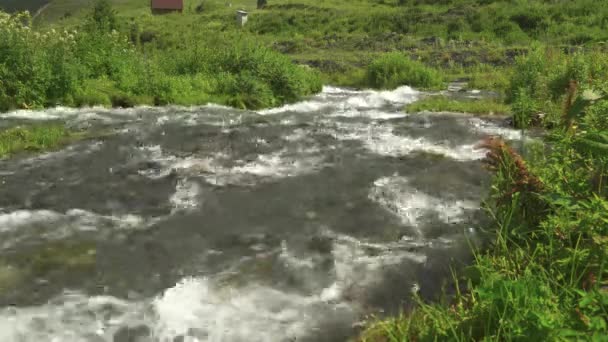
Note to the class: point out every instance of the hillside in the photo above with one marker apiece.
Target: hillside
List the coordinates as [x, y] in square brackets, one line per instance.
[338, 37]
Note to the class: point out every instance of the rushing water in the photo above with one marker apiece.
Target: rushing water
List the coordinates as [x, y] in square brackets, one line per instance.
[212, 224]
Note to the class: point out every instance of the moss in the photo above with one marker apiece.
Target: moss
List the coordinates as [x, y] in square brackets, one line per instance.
[43, 261]
[67, 257]
[10, 277]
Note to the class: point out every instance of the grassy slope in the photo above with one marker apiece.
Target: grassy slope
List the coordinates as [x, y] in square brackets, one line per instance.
[341, 37]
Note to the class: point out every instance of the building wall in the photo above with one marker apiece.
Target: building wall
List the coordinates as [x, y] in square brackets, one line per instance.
[165, 11]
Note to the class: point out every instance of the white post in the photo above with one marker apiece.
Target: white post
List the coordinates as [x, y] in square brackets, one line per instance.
[241, 18]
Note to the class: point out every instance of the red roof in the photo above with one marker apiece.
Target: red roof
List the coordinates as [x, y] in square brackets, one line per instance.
[168, 4]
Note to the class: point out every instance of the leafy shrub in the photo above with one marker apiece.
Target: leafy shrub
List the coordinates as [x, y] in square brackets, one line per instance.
[394, 69]
[68, 66]
[597, 116]
[246, 91]
[102, 17]
[285, 80]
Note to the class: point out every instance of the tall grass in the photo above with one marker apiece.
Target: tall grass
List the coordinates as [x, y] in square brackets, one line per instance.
[395, 69]
[446, 104]
[97, 65]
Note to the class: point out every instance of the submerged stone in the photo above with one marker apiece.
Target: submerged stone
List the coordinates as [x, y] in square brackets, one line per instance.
[10, 277]
[139, 333]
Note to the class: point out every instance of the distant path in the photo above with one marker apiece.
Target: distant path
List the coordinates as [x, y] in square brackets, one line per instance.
[40, 10]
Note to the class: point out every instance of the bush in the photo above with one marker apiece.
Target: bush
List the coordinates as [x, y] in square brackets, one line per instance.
[274, 73]
[597, 116]
[540, 79]
[100, 66]
[392, 70]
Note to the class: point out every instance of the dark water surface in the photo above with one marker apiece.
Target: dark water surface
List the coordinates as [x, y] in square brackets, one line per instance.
[211, 224]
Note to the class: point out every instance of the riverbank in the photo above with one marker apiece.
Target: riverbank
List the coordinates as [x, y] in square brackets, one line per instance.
[545, 274]
[201, 56]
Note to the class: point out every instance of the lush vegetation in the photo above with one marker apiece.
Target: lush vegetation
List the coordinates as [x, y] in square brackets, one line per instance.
[32, 138]
[96, 64]
[394, 69]
[447, 104]
[545, 275]
[474, 39]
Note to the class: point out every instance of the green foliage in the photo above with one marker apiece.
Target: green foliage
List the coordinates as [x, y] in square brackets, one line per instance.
[446, 104]
[540, 79]
[524, 108]
[97, 65]
[34, 138]
[597, 116]
[102, 17]
[395, 69]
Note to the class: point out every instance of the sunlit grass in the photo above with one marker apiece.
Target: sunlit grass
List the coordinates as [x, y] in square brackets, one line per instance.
[471, 106]
[32, 138]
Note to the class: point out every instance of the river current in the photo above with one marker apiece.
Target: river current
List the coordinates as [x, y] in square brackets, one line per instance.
[214, 224]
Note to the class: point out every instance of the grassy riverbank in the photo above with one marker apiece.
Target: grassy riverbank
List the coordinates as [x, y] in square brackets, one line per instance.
[123, 55]
[470, 106]
[545, 275]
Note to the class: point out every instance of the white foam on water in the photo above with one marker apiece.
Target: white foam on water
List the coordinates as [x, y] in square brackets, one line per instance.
[380, 139]
[71, 317]
[19, 225]
[485, 127]
[281, 164]
[374, 114]
[78, 114]
[350, 103]
[16, 219]
[255, 313]
[186, 196]
[297, 135]
[358, 264]
[396, 195]
[339, 91]
[376, 99]
[194, 309]
[266, 167]
[47, 114]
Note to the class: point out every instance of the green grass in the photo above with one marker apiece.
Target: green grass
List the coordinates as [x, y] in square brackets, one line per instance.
[32, 138]
[446, 104]
[395, 69]
[340, 38]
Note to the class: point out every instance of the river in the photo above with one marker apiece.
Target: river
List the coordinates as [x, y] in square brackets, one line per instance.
[213, 224]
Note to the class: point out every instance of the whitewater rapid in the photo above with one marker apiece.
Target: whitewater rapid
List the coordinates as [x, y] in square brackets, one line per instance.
[213, 224]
